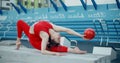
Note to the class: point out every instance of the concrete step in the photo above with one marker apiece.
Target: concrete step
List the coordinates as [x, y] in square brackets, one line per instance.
[8, 54]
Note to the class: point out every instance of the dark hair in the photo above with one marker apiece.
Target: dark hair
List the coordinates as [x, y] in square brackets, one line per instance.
[52, 43]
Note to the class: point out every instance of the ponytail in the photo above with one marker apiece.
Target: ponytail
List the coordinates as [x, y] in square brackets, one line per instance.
[52, 43]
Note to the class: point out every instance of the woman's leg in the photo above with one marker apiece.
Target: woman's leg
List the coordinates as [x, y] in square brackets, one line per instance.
[60, 48]
[22, 26]
[76, 50]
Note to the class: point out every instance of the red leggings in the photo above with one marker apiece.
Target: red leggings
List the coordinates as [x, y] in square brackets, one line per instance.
[35, 41]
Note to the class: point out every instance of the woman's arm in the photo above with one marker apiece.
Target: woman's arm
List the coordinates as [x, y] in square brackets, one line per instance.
[68, 30]
[45, 37]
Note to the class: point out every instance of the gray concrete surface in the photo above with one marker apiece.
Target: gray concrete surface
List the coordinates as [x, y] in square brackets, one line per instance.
[8, 54]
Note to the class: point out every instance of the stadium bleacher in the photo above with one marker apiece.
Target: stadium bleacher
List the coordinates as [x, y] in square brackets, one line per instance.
[103, 18]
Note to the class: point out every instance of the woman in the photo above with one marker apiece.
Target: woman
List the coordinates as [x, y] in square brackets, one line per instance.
[45, 36]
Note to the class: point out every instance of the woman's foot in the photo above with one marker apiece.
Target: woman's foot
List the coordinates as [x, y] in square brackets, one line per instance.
[18, 43]
[78, 51]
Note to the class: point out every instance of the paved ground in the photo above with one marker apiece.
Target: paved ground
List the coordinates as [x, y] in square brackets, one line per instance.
[8, 54]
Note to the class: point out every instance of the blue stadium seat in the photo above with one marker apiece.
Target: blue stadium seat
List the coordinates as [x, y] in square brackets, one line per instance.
[10, 34]
[113, 31]
[1, 34]
[12, 28]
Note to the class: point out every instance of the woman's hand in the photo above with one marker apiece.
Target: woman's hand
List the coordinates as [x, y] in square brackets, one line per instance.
[83, 36]
[18, 43]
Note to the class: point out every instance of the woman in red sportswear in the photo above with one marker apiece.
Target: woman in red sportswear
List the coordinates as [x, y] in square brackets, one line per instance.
[45, 36]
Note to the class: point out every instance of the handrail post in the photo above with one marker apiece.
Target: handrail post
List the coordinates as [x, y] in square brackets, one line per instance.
[114, 20]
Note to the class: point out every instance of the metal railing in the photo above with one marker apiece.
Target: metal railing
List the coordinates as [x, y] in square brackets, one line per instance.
[104, 30]
[116, 29]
